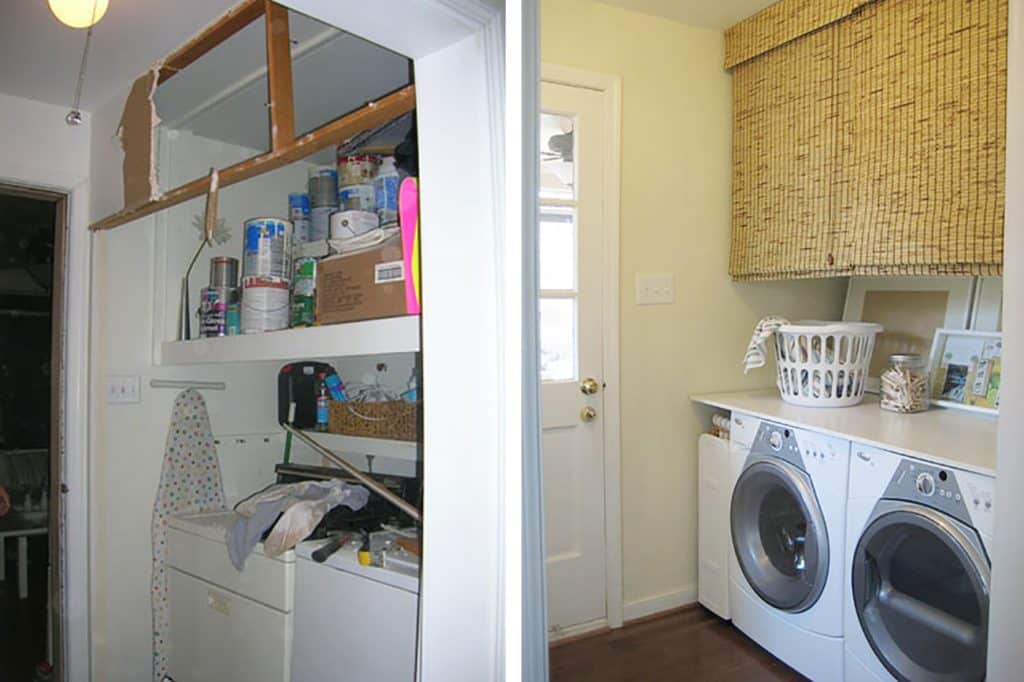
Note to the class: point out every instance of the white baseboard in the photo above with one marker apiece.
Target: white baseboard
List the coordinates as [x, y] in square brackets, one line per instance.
[662, 602]
[574, 630]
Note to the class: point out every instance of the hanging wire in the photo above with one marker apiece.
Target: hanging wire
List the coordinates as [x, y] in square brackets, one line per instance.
[74, 116]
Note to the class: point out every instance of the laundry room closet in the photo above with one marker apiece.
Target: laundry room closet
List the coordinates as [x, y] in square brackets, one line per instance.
[263, 272]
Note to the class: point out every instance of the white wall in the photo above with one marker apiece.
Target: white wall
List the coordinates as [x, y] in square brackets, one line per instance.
[39, 149]
[674, 217]
[137, 268]
[1006, 621]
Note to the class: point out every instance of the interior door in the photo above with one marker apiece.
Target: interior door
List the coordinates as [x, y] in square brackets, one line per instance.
[571, 339]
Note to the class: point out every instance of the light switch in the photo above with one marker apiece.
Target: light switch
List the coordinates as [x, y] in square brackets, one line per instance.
[655, 288]
[123, 389]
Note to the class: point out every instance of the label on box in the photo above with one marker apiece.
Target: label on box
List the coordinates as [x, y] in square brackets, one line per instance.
[393, 271]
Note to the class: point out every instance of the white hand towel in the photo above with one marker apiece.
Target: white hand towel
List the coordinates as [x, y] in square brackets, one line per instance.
[757, 351]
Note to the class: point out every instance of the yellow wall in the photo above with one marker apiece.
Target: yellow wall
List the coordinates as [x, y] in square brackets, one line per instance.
[675, 212]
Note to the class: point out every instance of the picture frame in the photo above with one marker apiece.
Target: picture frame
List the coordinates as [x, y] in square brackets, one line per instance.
[910, 309]
[965, 368]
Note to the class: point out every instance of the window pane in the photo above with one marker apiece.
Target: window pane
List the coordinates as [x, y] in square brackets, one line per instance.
[557, 248]
[557, 339]
[557, 157]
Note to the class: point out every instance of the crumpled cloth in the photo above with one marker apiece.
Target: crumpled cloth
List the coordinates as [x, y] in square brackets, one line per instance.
[301, 506]
[757, 350]
[190, 483]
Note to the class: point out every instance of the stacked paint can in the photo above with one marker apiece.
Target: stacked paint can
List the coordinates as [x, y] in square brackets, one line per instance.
[385, 186]
[355, 182]
[298, 213]
[219, 308]
[323, 198]
[304, 292]
[267, 275]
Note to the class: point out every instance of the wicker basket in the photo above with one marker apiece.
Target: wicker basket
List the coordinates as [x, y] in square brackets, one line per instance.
[824, 364]
[394, 420]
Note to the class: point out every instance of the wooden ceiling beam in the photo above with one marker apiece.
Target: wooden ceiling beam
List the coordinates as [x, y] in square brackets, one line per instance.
[213, 35]
[345, 128]
[279, 76]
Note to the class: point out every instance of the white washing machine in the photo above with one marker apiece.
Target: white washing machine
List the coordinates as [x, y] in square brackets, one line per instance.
[918, 558]
[787, 519]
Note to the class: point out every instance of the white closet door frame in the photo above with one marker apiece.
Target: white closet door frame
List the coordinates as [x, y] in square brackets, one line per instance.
[610, 87]
[471, 342]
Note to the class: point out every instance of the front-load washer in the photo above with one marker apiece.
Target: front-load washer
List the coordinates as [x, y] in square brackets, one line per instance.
[787, 519]
[917, 586]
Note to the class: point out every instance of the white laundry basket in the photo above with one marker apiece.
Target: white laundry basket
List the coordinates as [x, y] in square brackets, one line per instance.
[824, 364]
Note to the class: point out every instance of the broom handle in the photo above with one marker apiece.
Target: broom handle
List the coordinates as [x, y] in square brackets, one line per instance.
[368, 481]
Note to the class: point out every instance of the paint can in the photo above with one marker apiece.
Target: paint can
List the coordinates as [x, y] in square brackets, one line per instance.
[265, 304]
[356, 169]
[298, 206]
[214, 302]
[320, 223]
[224, 272]
[386, 186]
[300, 231]
[323, 186]
[268, 248]
[303, 312]
[348, 224]
[357, 198]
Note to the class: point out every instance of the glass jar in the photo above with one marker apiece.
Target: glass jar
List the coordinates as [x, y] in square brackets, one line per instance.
[905, 384]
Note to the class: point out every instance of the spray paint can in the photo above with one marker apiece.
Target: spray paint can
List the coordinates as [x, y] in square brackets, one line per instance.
[303, 312]
[386, 186]
[264, 304]
[357, 198]
[268, 248]
[215, 300]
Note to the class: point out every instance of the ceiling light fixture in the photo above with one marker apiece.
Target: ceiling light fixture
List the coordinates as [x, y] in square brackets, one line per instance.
[78, 13]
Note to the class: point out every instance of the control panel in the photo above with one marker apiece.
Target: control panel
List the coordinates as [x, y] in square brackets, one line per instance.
[960, 494]
[802, 448]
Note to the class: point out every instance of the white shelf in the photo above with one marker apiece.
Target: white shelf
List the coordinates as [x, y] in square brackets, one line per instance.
[378, 447]
[373, 337]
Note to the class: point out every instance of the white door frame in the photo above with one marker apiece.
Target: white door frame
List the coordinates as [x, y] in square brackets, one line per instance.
[610, 87]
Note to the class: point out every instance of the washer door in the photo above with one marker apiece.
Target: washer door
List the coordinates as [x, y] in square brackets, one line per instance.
[779, 535]
[920, 590]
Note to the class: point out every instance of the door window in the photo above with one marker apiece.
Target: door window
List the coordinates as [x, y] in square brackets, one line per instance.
[559, 280]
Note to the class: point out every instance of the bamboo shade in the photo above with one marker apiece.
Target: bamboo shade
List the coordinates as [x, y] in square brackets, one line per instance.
[780, 23]
[921, 184]
[874, 146]
[784, 134]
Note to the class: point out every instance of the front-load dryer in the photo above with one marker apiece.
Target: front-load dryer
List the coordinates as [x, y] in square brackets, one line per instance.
[787, 519]
[917, 586]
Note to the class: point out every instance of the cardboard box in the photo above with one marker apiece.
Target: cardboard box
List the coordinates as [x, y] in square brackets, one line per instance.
[365, 285]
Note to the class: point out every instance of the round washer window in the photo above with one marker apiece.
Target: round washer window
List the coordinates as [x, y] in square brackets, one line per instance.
[779, 536]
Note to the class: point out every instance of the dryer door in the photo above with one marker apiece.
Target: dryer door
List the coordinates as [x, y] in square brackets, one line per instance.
[920, 590]
[779, 534]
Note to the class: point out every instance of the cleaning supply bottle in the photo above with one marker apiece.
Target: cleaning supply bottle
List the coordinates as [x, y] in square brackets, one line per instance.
[323, 401]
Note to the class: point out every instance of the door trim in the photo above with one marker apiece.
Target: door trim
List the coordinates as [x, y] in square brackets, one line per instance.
[610, 87]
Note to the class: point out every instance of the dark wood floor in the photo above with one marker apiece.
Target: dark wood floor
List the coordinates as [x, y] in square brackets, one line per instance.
[693, 644]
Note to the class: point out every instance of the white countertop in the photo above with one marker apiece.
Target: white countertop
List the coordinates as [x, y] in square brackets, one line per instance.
[945, 436]
[346, 559]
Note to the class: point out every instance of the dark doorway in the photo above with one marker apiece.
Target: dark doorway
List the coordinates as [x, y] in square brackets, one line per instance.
[31, 237]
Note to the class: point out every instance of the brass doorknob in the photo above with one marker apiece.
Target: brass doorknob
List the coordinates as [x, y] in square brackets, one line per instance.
[589, 386]
[588, 414]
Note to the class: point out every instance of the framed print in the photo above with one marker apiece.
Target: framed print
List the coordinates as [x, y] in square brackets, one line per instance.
[966, 369]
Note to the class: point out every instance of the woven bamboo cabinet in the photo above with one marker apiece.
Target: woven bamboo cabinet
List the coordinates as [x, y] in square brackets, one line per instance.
[394, 420]
[869, 138]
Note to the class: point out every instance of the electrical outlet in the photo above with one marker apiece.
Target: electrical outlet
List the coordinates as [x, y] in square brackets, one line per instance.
[123, 389]
[655, 288]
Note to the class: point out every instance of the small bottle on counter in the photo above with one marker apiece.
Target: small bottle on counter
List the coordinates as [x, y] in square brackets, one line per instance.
[905, 384]
[323, 402]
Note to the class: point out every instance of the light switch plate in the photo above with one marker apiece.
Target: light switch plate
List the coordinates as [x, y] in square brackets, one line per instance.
[655, 288]
[123, 389]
